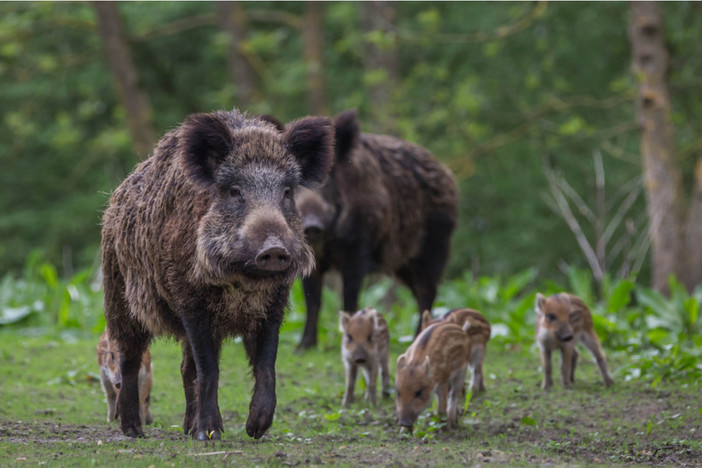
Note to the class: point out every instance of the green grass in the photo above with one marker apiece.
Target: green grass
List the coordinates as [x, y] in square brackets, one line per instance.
[52, 411]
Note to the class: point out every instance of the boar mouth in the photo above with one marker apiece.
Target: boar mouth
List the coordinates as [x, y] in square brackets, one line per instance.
[567, 338]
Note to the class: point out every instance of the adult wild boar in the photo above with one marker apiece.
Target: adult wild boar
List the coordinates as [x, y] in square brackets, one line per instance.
[388, 206]
[202, 242]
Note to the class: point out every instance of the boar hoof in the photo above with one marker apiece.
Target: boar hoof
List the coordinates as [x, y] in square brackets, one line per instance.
[209, 435]
[133, 432]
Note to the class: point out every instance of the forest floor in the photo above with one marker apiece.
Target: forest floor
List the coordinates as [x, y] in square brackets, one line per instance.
[52, 411]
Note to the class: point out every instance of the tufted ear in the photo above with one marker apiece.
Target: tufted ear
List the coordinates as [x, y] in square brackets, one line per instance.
[347, 134]
[540, 302]
[401, 361]
[311, 141]
[280, 126]
[344, 318]
[204, 141]
[426, 318]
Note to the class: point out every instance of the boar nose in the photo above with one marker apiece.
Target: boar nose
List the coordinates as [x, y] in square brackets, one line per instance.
[273, 256]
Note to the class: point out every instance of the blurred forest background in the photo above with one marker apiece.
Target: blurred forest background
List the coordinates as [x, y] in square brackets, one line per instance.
[573, 128]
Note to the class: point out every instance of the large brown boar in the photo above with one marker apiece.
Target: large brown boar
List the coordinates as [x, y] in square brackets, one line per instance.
[564, 320]
[365, 344]
[111, 378]
[389, 206]
[435, 362]
[202, 242]
[479, 333]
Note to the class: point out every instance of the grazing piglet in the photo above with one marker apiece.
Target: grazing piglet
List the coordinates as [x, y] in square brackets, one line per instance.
[111, 378]
[563, 320]
[435, 362]
[202, 242]
[389, 206]
[479, 333]
[365, 344]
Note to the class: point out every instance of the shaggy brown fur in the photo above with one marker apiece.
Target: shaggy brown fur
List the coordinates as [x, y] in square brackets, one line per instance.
[202, 241]
[393, 209]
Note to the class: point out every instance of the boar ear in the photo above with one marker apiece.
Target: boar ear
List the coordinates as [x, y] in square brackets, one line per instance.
[373, 314]
[347, 133]
[280, 126]
[426, 318]
[540, 301]
[204, 141]
[344, 318]
[310, 140]
[401, 361]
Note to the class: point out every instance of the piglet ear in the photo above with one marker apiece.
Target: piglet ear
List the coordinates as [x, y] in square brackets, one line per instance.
[426, 318]
[204, 140]
[344, 318]
[347, 134]
[401, 361]
[540, 302]
[311, 141]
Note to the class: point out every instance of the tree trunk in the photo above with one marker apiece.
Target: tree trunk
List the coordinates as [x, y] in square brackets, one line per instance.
[380, 57]
[233, 22]
[126, 79]
[662, 173]
[313, 37]
[692, 251]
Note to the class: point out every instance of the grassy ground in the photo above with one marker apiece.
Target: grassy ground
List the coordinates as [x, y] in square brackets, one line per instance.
[52, 411]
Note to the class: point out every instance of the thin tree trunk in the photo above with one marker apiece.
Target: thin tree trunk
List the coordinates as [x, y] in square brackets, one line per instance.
[380, 58]
[126, 78]
[313, 38]
[233, 21]
[662, 173]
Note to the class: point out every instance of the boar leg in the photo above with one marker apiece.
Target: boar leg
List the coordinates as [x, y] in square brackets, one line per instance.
[351, 373]
[188, 372]
[370, 373]
[132, 341]
[567, 365]
[592, 343]
[128, 399]
[546, 365]
[355, 268]
[423, 273]
[262, 351]
[312, 286]
[205, 354]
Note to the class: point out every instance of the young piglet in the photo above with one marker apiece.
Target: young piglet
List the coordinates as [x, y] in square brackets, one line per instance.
[111, 378]
[365, 344]
[563, 320]
[435, 362]
[479, 333]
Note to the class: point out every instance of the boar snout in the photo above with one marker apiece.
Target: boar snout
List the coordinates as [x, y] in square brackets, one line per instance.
[273, 256]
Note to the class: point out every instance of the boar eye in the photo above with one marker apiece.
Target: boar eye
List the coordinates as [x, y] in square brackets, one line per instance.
[348, 337]
[235, 192]
[418, 393]
[550, 317]
[287, 192]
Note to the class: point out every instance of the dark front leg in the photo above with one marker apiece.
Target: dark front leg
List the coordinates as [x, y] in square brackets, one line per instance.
[189, 373]
[355, 267]
[262, 350]
[205, 355]
[312, 286]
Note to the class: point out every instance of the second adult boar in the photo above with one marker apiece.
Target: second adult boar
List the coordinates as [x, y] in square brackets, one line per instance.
[202, 242]
[389, 206]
